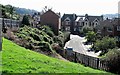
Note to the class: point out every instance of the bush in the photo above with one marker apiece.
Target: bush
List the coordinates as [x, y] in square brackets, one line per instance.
[105, 44]
[36, 39]
[45, 46]
[90, 36]
[59, 41]
[113, 59]
[66, 37]
[25, 20]
[86, 30]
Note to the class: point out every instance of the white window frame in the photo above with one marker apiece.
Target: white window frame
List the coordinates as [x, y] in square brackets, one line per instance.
[118, 28]
[67, 22]
[67, 28]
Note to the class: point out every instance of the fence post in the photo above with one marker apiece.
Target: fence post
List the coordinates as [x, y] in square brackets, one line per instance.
[97, 63]
[88, 60]
[75, 58]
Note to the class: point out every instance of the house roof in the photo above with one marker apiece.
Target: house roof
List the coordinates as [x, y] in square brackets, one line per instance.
[72, 17]
[49, 10]
[80, 18]
[92, 18]
[109, 23]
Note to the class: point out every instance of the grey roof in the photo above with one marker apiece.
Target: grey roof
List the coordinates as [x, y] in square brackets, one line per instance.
[92, 18]
[72, 17]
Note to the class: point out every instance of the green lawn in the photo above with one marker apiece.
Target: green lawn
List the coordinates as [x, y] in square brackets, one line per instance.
[16, 59]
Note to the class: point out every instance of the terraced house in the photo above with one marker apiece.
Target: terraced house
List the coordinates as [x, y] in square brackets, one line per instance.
[110, 27]
[75, 23]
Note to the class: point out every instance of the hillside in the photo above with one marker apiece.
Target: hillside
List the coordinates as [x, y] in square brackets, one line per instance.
[24, 11]
[16, 59]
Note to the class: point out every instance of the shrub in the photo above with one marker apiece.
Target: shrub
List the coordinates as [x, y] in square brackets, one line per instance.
[105, 44]
[25, 20]
[86, 30]
[35, 39]
[113, 59]
[90, 36]
[45, 46]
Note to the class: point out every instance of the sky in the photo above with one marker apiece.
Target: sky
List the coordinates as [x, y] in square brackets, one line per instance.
[79, 7]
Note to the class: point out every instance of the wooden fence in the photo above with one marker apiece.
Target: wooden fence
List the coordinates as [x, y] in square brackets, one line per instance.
[86, 60]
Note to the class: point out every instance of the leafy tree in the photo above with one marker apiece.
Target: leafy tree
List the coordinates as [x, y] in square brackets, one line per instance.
[105, 44]
[113, 60]
[90, 36]
[86, 30]
[25, 20]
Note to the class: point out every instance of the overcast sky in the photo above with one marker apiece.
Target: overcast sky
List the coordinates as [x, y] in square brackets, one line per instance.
[80, 7]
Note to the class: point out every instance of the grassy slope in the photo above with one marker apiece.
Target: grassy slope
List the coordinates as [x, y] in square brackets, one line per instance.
[17, 59]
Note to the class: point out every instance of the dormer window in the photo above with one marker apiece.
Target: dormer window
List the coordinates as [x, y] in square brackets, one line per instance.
[67, 21]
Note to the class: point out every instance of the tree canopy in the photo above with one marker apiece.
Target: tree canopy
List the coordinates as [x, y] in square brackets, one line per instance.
[25, 20]
[105, 44]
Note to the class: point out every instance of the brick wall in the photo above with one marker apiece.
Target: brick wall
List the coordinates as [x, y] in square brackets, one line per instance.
[51, 19]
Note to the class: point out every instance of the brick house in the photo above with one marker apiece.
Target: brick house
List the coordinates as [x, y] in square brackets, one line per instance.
[109, 27]
[68, 22]
[51, 19]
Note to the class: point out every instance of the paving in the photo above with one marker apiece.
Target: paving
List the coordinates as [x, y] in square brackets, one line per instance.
[77, 43]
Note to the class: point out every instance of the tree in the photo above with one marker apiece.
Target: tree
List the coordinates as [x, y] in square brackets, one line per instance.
[105, 44]
[86, 30]
[113, 60]
[25, 20]
[90, 36]
[10, 9]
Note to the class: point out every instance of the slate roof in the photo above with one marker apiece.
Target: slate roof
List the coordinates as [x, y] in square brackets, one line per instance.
[72, 17]
[92, 18]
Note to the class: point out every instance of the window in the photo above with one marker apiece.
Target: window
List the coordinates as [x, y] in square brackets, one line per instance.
[83, 23]
[67, 22]
[74, 29]
[109, 29]
[96, 24]
[67, 28]
[118, 28]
